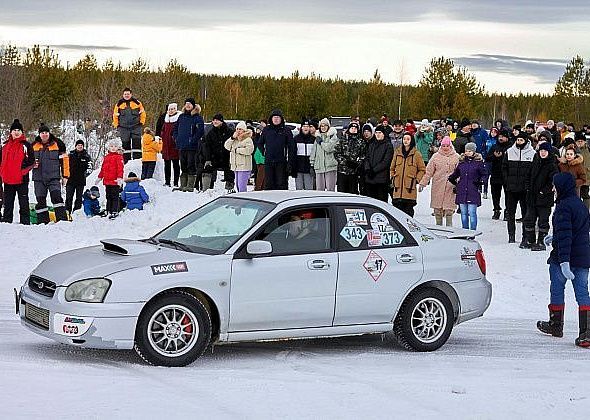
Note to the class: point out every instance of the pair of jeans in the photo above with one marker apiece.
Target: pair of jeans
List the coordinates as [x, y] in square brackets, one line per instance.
[468, 216]
[242, 178]
[558, 281]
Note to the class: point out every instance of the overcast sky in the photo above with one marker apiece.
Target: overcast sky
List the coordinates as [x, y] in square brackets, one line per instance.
[510, 47]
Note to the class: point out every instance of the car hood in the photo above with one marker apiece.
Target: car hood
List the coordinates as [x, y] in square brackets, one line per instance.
[102, 260]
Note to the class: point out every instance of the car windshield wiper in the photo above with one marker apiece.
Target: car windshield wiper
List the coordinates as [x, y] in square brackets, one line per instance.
[176, 244]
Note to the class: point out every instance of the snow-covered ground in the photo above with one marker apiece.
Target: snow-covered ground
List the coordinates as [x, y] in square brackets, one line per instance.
[498, 366]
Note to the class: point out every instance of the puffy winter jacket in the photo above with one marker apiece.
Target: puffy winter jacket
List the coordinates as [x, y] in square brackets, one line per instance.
[213, 149]
[424, 140]
[440, 166]
[278, 145]
[91, 205]
[350, 153]
[128, 114]
[79, 165]
[16, 160]
[111, 169]
[169, 150]
[571, 223]
[134, 194]
[378, 162]
[495, 162]
[150, 148]
[50, 160]
[516, 167]
[541, 181]
[188, 130]
[240, 152]
[322, 152]
[471, 173]
[480, 136]
[576, 168]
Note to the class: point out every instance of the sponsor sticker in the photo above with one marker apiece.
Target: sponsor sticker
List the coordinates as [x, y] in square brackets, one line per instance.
[412, 226]
[175, 267]
[356, 217]
[375, 265]
[379, 221]
[374, 237]
[354, 235]
[72, 326]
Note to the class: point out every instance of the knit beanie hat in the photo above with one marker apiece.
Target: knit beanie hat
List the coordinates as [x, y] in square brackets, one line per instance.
[446, 141]
[43, 128]
[79, 142]
[546, 146]
[190, 101]
[218, 117]
[471, 146]
[16, 125]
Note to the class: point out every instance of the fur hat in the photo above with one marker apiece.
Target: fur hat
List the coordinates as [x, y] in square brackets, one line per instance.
[369, 127]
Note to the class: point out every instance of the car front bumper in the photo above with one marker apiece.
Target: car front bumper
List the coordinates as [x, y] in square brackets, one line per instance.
[475, 297]
[92, 325]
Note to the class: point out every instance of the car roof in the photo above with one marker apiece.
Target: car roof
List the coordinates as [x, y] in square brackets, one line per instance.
[279, 196]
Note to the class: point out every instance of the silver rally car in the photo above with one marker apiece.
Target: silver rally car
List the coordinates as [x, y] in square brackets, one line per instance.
[262, 266]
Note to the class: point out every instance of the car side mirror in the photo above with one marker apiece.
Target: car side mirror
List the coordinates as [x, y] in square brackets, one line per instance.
[259, 248]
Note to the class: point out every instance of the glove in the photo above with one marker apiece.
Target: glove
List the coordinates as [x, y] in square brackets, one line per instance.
[547, 240]
[566, 271]
[119, 182]
[420, 188]
[207, 165]
[318, 140]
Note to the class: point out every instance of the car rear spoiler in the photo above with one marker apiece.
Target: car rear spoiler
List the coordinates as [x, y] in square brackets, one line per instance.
[453, 233]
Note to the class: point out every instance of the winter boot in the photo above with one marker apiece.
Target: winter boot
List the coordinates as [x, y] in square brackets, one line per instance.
[183, 180]
[584, 339]
[511, 238]
[496, 215]
[528, 239]
[190, 183]
[230, 187]
[205, 181]
[555, 324]
[540, 245]
[438, 218]
[505, 216]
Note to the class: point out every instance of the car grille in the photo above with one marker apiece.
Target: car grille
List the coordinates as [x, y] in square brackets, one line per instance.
[37, 316]
[42, 286]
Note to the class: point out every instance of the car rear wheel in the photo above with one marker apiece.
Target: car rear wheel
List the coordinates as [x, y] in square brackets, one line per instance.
[173, 330]
[425, 321]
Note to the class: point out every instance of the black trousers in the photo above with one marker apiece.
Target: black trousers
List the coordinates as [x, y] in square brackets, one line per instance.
[168, 165]
[148, 169]
[10, 194]
[405, 205]
[188, 161]
[497, 195]
[513, 199]
[377, 191]
[275, 176]
[113, 198]
[131, 142]
[53, 187]
[534, 214]
[71, 191]
[347, 183]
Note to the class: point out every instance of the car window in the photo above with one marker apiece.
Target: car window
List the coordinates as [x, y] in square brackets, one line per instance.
[299, 231]
[366, 227]
[217, 225]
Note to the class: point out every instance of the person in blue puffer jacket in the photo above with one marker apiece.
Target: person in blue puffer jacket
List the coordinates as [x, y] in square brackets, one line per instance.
[187, 134]
[134, 194]
[569, 258]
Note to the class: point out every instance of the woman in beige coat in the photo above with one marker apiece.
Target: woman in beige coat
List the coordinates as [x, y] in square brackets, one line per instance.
[442, 195]
[241, 147]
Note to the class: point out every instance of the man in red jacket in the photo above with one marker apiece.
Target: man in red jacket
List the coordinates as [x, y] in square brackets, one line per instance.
[111, 174]
[16, 160]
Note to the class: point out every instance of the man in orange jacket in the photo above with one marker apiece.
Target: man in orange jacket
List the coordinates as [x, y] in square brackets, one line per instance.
[129, 118]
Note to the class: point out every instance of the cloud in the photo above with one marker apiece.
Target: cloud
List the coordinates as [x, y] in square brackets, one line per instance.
[77, 47]
[545, 70]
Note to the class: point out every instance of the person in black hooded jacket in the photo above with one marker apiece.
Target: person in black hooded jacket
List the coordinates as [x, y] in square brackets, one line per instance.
[376, 166]
[213, 154]
[494, 159]
[280, 152]
[304, 141]
[540, 198]
[79, 166]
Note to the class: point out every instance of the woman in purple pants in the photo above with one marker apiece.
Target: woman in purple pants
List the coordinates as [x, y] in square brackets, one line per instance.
[241, 147]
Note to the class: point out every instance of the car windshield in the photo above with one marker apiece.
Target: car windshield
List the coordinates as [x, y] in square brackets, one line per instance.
[215, 227]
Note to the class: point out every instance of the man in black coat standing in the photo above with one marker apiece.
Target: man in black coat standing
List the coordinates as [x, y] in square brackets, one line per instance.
[79, 165]
[280, 152]
[214, 156]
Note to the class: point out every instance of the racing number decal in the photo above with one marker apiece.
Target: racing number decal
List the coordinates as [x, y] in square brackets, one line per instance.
[353, 234]
[391, 238]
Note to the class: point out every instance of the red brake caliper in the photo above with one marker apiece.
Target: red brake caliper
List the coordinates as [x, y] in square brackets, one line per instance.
[186, 321]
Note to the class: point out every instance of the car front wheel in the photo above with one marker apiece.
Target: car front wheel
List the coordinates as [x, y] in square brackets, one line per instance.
[173, 330]
[425, 321]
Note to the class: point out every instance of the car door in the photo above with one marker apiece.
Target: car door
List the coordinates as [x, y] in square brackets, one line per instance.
[378, 262]
[295, 285]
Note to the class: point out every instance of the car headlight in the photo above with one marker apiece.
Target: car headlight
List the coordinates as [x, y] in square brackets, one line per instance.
[90, 290]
